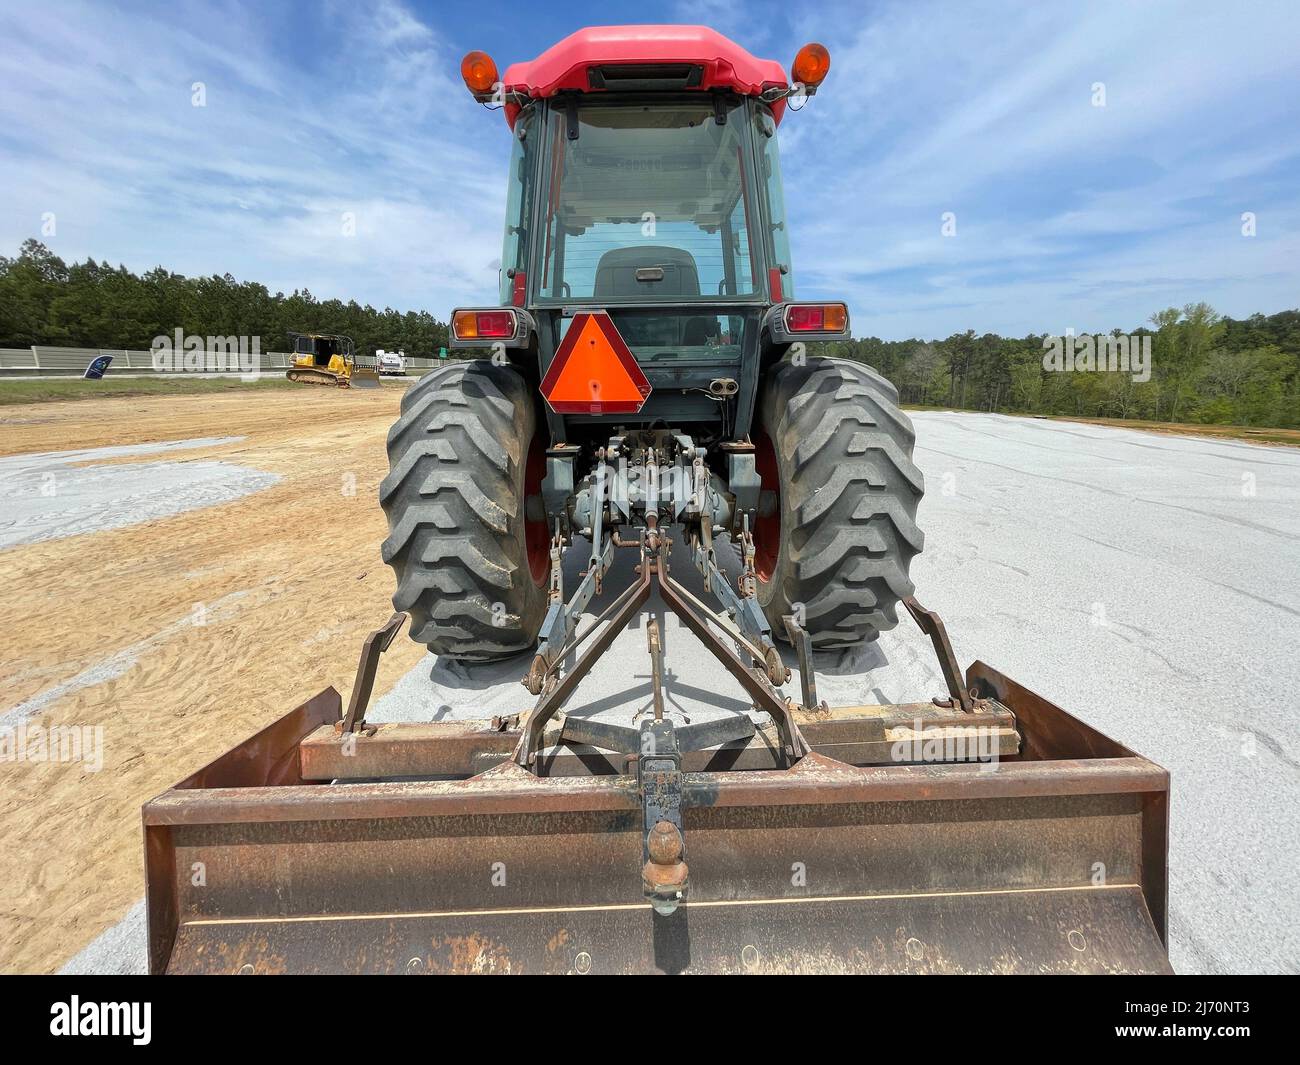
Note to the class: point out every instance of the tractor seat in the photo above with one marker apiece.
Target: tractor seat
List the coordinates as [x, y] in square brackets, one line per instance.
[616, 273]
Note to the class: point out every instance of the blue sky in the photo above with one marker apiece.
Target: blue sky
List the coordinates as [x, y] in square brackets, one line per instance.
[1068, 215]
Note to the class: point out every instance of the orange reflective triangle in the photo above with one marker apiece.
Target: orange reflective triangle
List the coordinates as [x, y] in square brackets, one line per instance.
[593, 371]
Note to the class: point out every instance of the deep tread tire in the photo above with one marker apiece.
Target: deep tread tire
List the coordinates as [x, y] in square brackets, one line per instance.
[454, 498]
[848, 497]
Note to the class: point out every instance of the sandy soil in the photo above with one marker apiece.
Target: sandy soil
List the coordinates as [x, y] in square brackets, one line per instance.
[178, 636]
[1251, 435]
[1139, 581]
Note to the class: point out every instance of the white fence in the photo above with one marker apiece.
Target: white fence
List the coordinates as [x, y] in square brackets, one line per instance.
[38, 361]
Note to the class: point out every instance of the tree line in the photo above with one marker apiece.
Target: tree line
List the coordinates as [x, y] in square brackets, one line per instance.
[1203, 367]
[44, 300]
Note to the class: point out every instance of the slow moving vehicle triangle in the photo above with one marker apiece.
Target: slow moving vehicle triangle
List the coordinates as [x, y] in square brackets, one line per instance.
[593, 371]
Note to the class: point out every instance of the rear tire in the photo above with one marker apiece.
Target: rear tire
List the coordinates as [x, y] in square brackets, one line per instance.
[463, 457]
[838, 452]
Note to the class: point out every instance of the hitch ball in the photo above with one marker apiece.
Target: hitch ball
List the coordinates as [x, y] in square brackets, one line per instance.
[665, 874]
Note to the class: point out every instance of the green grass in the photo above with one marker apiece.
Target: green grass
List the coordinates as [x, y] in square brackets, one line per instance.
[16, 390]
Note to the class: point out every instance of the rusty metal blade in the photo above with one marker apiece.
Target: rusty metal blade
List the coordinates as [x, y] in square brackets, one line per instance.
[1050, 860]
[1070, 931]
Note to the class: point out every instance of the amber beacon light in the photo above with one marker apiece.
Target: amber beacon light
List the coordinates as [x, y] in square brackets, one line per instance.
[811, 65]
[479, 72]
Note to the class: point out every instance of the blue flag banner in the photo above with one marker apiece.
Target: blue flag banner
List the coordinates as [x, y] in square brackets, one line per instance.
[97, 368]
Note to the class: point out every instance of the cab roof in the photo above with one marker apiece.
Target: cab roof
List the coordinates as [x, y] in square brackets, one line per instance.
[602, 58]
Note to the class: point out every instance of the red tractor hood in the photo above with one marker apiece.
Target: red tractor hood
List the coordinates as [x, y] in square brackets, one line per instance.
[566, 65]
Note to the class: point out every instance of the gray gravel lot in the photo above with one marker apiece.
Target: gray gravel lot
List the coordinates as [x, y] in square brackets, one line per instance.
[1149, 584]
[47, 495]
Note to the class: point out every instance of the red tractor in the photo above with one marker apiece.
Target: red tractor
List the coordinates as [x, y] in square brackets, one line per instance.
[648, 368]
[648, 322]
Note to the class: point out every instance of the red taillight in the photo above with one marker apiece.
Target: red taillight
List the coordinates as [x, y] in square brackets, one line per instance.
[806, 319]
[480, 325]
[496, 324]
[816, 318]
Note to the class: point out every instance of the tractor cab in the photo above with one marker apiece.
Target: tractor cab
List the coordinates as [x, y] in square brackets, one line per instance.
[645, 184]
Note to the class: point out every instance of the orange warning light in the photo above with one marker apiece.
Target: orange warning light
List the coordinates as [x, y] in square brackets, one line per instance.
[811, 65]
[479, 72]
[593, 371]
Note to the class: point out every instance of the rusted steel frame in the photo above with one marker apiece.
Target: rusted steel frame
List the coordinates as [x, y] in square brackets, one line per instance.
[1155, 860]
[613, 608]
[270, 756]
[259, 784]
[802, 644]
[464, 748]
[732, 752]
[256, 784]
[525, 752]
[932, 625]
[162, 908]
[1049, 731]
[754, 683]
[756, 652]
[376, 644]
[548, 658]
[1022, 931]
[266, 763]
[510, 789]
[400, 853]
[493, 792]
[818, 779]
[655, 647]
[386, 751]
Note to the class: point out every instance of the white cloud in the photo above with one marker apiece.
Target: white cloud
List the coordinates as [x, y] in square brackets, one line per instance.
[987, 111]
[255, 182]
[1065, 211]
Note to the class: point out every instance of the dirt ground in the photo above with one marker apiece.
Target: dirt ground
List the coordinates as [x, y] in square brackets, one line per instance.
[212, 622]
[1249, 434]
[1079, 559]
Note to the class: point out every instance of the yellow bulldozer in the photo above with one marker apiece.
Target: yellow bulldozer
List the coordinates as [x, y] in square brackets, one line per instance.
[329, 359]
